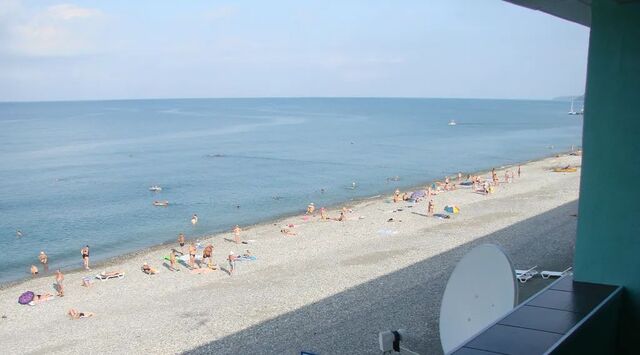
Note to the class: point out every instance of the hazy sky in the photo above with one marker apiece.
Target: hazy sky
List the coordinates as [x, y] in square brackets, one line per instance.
[108, 49]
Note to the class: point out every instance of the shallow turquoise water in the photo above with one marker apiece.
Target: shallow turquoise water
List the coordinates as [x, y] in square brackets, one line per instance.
[76, 173]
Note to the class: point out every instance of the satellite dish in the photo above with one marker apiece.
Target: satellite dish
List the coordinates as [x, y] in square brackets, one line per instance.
[481, 289]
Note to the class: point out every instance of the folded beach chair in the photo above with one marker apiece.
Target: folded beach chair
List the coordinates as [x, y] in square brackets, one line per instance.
[548, 274]
[103, 277]
[525, 275]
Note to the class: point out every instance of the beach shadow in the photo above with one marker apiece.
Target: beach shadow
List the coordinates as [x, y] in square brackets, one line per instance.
[221, 268]
[420, 214]
[348, 322]
[168, 267]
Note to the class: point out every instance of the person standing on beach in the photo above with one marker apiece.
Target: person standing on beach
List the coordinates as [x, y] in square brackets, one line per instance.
[85, 257]
[459, 177]
[518, 170]
[237, 230]
[181, 242]
[34, 270]
[323, 214]
[431, 208]
[172, 260]
[59, 279]
[44, 260]
[232, 263]
[192, 255]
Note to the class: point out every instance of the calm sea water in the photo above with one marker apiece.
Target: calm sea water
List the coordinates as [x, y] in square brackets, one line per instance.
[76, 173]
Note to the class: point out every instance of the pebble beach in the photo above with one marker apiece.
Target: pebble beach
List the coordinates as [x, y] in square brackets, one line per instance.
[327, 290]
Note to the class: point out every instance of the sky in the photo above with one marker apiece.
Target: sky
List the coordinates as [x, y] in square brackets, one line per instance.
[123, 49]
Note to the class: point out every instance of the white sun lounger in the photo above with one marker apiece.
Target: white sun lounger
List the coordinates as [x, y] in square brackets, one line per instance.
[548, 274]
[103, 277]
[525, 275]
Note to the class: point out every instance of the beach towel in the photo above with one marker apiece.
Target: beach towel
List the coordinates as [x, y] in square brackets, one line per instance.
[246, 258]
[387, 232]
[441, 216]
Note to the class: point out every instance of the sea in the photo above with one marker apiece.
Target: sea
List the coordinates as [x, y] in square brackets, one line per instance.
[78, 173]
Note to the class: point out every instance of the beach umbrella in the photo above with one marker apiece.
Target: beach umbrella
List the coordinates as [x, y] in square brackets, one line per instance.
[452, 209]
[418, 194]
[26, 297]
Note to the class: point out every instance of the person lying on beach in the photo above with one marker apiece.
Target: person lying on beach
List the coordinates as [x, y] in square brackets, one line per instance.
[247, 253]
[37, 299]
[86, 282]
[34, 270]
[288, 232]
[74, 314]
[148, 269]
[112, 273]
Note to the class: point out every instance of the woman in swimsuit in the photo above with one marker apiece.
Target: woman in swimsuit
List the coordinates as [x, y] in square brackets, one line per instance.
[85, 257]
[74, 314]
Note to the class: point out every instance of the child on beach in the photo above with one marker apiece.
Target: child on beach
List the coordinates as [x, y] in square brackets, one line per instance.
[232, 263]
[431, 208]
[172, 261]
[34, 270]
[148, 269]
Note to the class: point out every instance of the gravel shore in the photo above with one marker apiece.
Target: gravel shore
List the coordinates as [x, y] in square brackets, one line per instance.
[327, 290]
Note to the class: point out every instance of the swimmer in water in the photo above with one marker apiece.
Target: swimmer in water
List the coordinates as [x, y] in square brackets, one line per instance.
[353, 185]
[18, 234]
[194, 219]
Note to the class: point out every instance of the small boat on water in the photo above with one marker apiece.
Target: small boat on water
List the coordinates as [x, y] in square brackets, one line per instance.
[155, 188]
[452, 123]
[163, 203]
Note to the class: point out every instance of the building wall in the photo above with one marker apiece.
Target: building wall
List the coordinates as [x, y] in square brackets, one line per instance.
[608, 241]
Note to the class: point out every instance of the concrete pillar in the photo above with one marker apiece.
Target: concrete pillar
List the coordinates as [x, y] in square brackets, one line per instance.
[608, 240]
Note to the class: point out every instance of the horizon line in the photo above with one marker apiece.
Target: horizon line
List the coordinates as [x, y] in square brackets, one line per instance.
[557, 98]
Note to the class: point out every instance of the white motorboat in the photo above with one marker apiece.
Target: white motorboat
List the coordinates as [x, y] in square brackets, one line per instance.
[155, 188]
[452, 123]
[163, 203]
